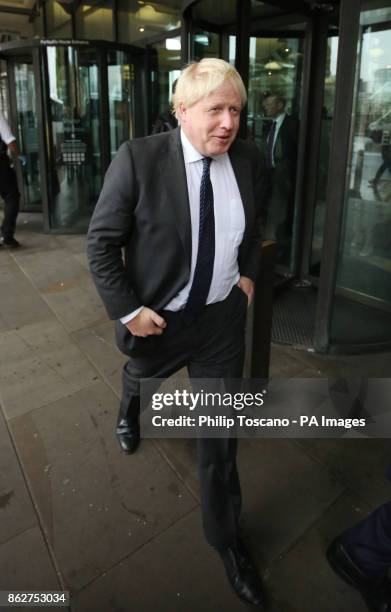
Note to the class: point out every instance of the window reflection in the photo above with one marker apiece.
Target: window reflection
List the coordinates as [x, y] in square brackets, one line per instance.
[121, 99]
[364, 270]
[365, 264]
[273, 122]
[166, 67]
[75, 171]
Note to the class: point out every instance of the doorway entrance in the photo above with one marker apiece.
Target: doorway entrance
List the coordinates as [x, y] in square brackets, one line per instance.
[73, 104]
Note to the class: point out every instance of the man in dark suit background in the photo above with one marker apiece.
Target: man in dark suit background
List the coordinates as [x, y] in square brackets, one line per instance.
[185, 206]
[280, 149]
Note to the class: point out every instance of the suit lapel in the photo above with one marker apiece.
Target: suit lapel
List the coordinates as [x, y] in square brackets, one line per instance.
[173, 177]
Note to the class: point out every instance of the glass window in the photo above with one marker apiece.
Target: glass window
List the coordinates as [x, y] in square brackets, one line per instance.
[274, 99]
[121, 99]
[140, 20]
[166, 67]
[204, 44]
[364, 270]
[59, 22]
[94, 21]
[27, 135]
[75, 168]
[324, 154]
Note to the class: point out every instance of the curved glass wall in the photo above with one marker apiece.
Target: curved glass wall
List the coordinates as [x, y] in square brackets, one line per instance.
[120, 74]
[165, 68]
[74, 121]
[73, 105]
[273, 121]
[364, 270]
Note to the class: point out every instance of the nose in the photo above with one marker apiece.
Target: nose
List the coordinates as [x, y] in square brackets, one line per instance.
[227, 120]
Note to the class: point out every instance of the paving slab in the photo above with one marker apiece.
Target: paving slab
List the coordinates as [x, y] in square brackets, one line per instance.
[360, 464]
[96, 505]
[76, 304]
[284, 491]
[48, 270]
[285, 363]
[98, 342]
[20, 302]
[16, 510]
[39, 363]
[302, 581]
[27, 566]
[176, 572]
[182, 456]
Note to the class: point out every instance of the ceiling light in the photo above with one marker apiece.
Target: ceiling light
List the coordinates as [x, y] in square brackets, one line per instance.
[173, 44]
[141, 29]
[272, 65]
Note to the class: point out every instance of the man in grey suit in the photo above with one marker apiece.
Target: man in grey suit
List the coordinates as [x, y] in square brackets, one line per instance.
[185, 207]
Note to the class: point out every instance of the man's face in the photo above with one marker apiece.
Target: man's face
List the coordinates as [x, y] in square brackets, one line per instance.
[212, 123]
[272, 107]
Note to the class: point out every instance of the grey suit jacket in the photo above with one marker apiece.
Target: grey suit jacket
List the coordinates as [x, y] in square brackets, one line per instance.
[144, 209]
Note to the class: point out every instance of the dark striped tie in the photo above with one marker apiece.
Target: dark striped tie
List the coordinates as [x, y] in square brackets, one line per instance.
[206, 248]
[270, 145]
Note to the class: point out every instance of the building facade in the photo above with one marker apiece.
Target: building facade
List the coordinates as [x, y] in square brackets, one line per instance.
[78, 78]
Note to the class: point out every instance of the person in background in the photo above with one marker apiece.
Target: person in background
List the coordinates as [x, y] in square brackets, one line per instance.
[8, 184]
[279, 146]
[166, 121]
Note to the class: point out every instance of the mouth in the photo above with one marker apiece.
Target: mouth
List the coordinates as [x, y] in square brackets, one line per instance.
[223, 139]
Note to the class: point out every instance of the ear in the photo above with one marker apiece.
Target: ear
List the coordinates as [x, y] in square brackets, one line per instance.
[183, 112]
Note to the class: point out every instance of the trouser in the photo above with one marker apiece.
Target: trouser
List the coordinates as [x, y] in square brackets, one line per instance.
[211, 347]
[369, 542]
[10, 194]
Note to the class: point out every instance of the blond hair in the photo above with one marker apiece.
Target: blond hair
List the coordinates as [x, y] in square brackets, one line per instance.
[199, 79]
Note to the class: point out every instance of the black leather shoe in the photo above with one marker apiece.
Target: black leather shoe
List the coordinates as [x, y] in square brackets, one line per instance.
[128, 435]
[242, 574]
[375, 591]
[9, 243]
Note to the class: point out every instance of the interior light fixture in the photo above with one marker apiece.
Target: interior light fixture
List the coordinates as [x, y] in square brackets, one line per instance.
[141, 29]
[273, 65]
[173, 44]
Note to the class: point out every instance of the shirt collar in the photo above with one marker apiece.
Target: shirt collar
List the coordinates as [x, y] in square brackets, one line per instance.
[280, 119]
[191, 154]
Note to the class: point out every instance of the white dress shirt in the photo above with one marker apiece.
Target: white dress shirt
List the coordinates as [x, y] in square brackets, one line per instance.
[278, 121]
[5, 131]
[229, 225]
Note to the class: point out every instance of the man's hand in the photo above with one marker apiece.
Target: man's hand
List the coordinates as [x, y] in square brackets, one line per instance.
[146, 323]
[247, 285]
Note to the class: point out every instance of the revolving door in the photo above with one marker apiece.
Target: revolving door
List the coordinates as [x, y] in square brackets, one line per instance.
[73, 104]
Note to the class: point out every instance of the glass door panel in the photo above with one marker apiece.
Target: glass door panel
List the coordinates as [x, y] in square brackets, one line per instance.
[274, 103]
[27, 136]
[121, 99]
[165, 68]
[75, 179]
[324, 154]
[364, 269]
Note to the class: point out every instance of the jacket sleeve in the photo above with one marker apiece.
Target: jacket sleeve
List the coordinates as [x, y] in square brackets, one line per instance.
[250, 266]
[110, 230]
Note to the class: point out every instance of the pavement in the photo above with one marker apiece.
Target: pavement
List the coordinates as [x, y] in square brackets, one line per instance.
[123, 533]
